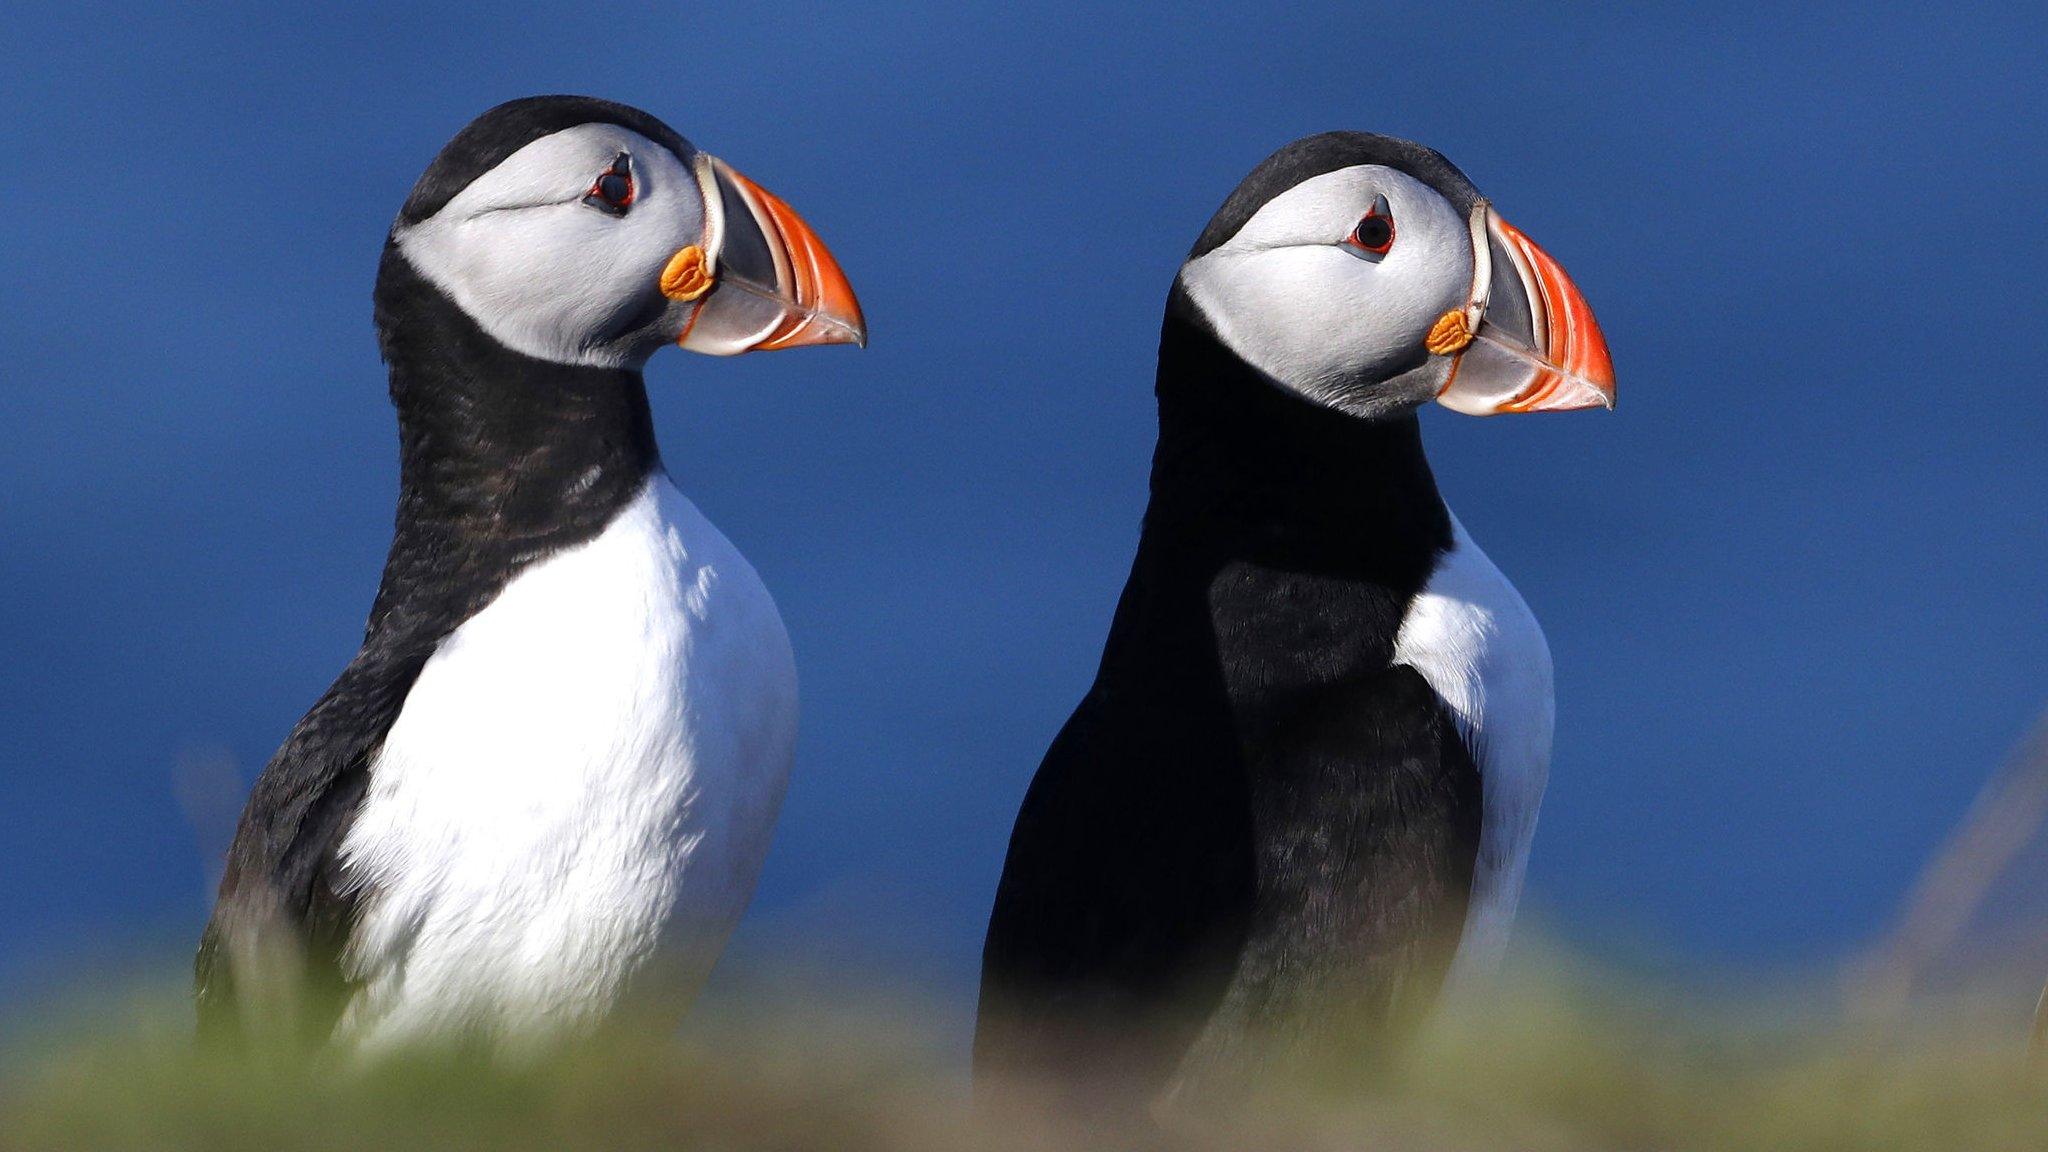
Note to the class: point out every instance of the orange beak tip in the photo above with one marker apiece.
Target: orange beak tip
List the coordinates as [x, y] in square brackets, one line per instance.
[823, 308]
[1574, 369]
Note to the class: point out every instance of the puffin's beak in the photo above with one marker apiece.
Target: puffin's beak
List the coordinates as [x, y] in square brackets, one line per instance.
[762, 279]
[1535, 346]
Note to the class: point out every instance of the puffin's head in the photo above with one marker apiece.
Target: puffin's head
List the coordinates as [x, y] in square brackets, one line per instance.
[1368, 274]
[584, 232]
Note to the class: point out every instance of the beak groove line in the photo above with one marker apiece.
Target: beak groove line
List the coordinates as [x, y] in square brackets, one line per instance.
[1564, 363]
[761, 280]
[1564, 325]
[821, 289]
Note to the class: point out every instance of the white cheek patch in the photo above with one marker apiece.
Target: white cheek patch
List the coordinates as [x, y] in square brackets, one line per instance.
[1288, 297]
[544, 273]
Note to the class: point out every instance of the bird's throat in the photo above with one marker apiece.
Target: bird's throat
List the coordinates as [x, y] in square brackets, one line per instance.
[503, 459]
[1240, 456]
[497, 444]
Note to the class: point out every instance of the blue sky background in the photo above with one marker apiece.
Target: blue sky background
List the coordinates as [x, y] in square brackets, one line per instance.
[1794, 586]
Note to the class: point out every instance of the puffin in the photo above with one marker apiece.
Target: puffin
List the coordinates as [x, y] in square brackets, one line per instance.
[543, 788]
[1300, 793]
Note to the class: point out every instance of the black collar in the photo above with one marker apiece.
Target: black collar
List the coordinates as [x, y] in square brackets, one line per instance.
[503, 458]
[1242, 459]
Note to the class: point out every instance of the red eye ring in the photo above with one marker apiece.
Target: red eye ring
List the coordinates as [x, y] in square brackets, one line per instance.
[1374, 233]
[614, 190]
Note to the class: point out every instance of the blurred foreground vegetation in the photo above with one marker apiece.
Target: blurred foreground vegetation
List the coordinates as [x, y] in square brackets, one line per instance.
[1567, 1058]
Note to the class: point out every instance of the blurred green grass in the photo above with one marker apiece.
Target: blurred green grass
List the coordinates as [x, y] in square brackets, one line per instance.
[1568, 1056]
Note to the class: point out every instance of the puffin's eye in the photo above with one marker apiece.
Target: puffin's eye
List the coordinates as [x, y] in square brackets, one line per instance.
[1374, 234]
[613, 192]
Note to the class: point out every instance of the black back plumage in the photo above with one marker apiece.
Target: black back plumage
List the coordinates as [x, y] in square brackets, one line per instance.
[1256, 834]
[504, 459]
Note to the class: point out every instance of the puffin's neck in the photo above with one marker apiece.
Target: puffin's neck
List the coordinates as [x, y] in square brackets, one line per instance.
[495, 444]
[1243, 462]
[503, 458]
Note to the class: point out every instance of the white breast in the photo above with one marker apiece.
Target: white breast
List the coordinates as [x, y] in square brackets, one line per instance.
[1472, 637]
[585, 775]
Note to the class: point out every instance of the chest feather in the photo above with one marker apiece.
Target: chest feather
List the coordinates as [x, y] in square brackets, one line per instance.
[601, 745]
[1474, 640]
